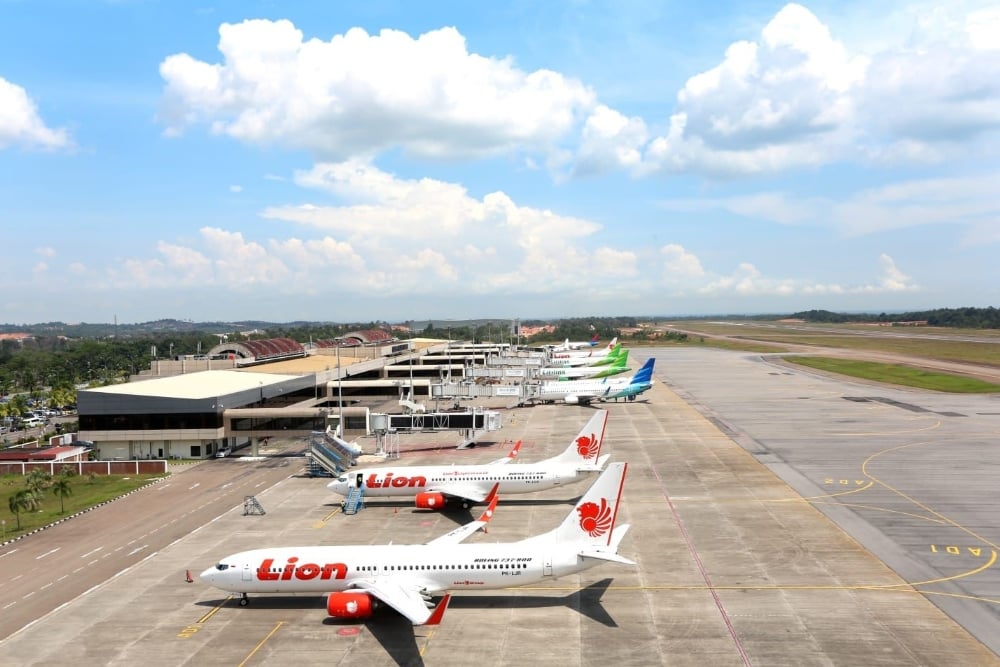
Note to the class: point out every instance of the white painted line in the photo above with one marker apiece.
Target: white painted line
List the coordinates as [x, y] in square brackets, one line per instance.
[47, 553]
[91, 552]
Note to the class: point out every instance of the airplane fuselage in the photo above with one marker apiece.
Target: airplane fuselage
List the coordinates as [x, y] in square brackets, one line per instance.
[512, 478]
[436, 568]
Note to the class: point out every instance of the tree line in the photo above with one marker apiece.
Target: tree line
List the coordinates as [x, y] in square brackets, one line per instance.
[958, 318]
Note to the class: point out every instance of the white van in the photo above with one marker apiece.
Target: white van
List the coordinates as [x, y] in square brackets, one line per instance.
[32, 422]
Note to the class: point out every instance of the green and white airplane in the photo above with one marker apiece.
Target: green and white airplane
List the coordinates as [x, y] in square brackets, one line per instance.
[614, 366]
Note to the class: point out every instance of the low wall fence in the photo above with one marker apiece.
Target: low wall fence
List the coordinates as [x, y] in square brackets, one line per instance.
[86, 467]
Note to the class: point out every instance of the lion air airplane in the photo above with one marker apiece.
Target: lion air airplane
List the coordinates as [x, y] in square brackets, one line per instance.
[432, 486]
[359, 578]
[589, 353]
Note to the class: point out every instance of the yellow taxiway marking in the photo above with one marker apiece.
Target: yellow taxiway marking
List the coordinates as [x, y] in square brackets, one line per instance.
[322, 522]
[950, 522]
[213, 611]
[261, 643]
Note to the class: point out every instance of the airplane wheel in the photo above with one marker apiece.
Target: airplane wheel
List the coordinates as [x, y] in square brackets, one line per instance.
[244, 601]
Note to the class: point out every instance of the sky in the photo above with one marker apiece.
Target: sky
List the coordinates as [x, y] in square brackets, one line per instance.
[392, 160]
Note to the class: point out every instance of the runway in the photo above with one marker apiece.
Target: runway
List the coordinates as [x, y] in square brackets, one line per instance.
[778, 518]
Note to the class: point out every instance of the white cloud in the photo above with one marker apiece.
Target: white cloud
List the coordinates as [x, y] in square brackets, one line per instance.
[236, 188]
[971, 203]
[680, 267]
[610, 140]
[20, 124]
[358, 94]
[397, 237]
[770, 104]
[796, 97]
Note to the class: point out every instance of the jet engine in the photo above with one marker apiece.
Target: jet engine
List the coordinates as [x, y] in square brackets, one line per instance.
[572, 399]
[350, 605]
[430, 500]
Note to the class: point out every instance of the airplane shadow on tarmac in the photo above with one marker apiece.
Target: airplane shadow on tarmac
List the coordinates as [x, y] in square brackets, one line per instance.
[399, 638]
[458, 514]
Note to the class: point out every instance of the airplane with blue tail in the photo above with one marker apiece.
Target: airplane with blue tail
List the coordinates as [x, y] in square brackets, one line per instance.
[584, 391]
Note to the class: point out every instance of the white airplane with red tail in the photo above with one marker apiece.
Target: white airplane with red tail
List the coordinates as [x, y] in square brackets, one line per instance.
[433, 486]
[360, 578]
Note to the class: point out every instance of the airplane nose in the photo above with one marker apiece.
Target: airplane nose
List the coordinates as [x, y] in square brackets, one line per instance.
[208, 576]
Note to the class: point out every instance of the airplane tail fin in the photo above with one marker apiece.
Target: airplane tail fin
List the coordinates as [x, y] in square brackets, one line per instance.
[586, 446]
[644, 374]
[591, 524]
[594, 340]
[612, 343]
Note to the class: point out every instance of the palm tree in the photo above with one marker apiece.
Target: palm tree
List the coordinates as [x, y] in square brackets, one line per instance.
[22, 500]
[37, 480]
[61, 487]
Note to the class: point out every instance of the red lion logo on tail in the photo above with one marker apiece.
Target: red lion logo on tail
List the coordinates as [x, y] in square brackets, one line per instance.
[586, 446]
[595, 520]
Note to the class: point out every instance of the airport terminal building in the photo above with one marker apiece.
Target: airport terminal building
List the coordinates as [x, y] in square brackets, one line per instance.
[185, 416]
[193, 408]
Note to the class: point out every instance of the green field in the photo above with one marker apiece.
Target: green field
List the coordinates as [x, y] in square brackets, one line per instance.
[908, 376]
[917, 343]
[86, 492]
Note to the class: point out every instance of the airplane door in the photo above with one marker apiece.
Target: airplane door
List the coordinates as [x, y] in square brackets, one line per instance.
[247, 574]
[547, 565]
[359, 482]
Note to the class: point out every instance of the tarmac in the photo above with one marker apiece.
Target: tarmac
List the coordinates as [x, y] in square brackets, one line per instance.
[778, 517]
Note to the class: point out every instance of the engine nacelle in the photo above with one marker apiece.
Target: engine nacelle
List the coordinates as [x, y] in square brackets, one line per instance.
[430, 500]
[572, 399]
[350, 605]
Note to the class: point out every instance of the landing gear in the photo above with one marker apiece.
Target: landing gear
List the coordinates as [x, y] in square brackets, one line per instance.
[244, 600]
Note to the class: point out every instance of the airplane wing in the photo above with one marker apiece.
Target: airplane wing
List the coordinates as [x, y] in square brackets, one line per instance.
[510, 457]
[405, 599]
[462, 532]
[471, 491]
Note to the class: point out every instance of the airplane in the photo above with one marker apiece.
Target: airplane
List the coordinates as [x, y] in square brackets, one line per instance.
[600, 358]
[576, 345]
[614, 366]
[592, 352]
[359, 578]
[433, 486]
[585, 391]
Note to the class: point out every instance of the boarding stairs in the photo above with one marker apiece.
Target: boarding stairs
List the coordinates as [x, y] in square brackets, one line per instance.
[251, 506]
[355, 500]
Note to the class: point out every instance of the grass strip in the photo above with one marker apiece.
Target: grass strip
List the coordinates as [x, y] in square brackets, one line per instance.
[908, 376]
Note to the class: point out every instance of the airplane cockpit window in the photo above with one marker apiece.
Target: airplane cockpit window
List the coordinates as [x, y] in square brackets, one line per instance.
[342, 479]
[221, 567]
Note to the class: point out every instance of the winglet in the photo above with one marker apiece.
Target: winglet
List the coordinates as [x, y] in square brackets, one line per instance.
[493, 498]
[438, 613]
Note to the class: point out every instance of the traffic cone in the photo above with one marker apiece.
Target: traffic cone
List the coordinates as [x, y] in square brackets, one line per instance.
[188, 577]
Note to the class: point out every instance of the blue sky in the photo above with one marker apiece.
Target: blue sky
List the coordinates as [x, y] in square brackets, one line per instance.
[392, 160]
